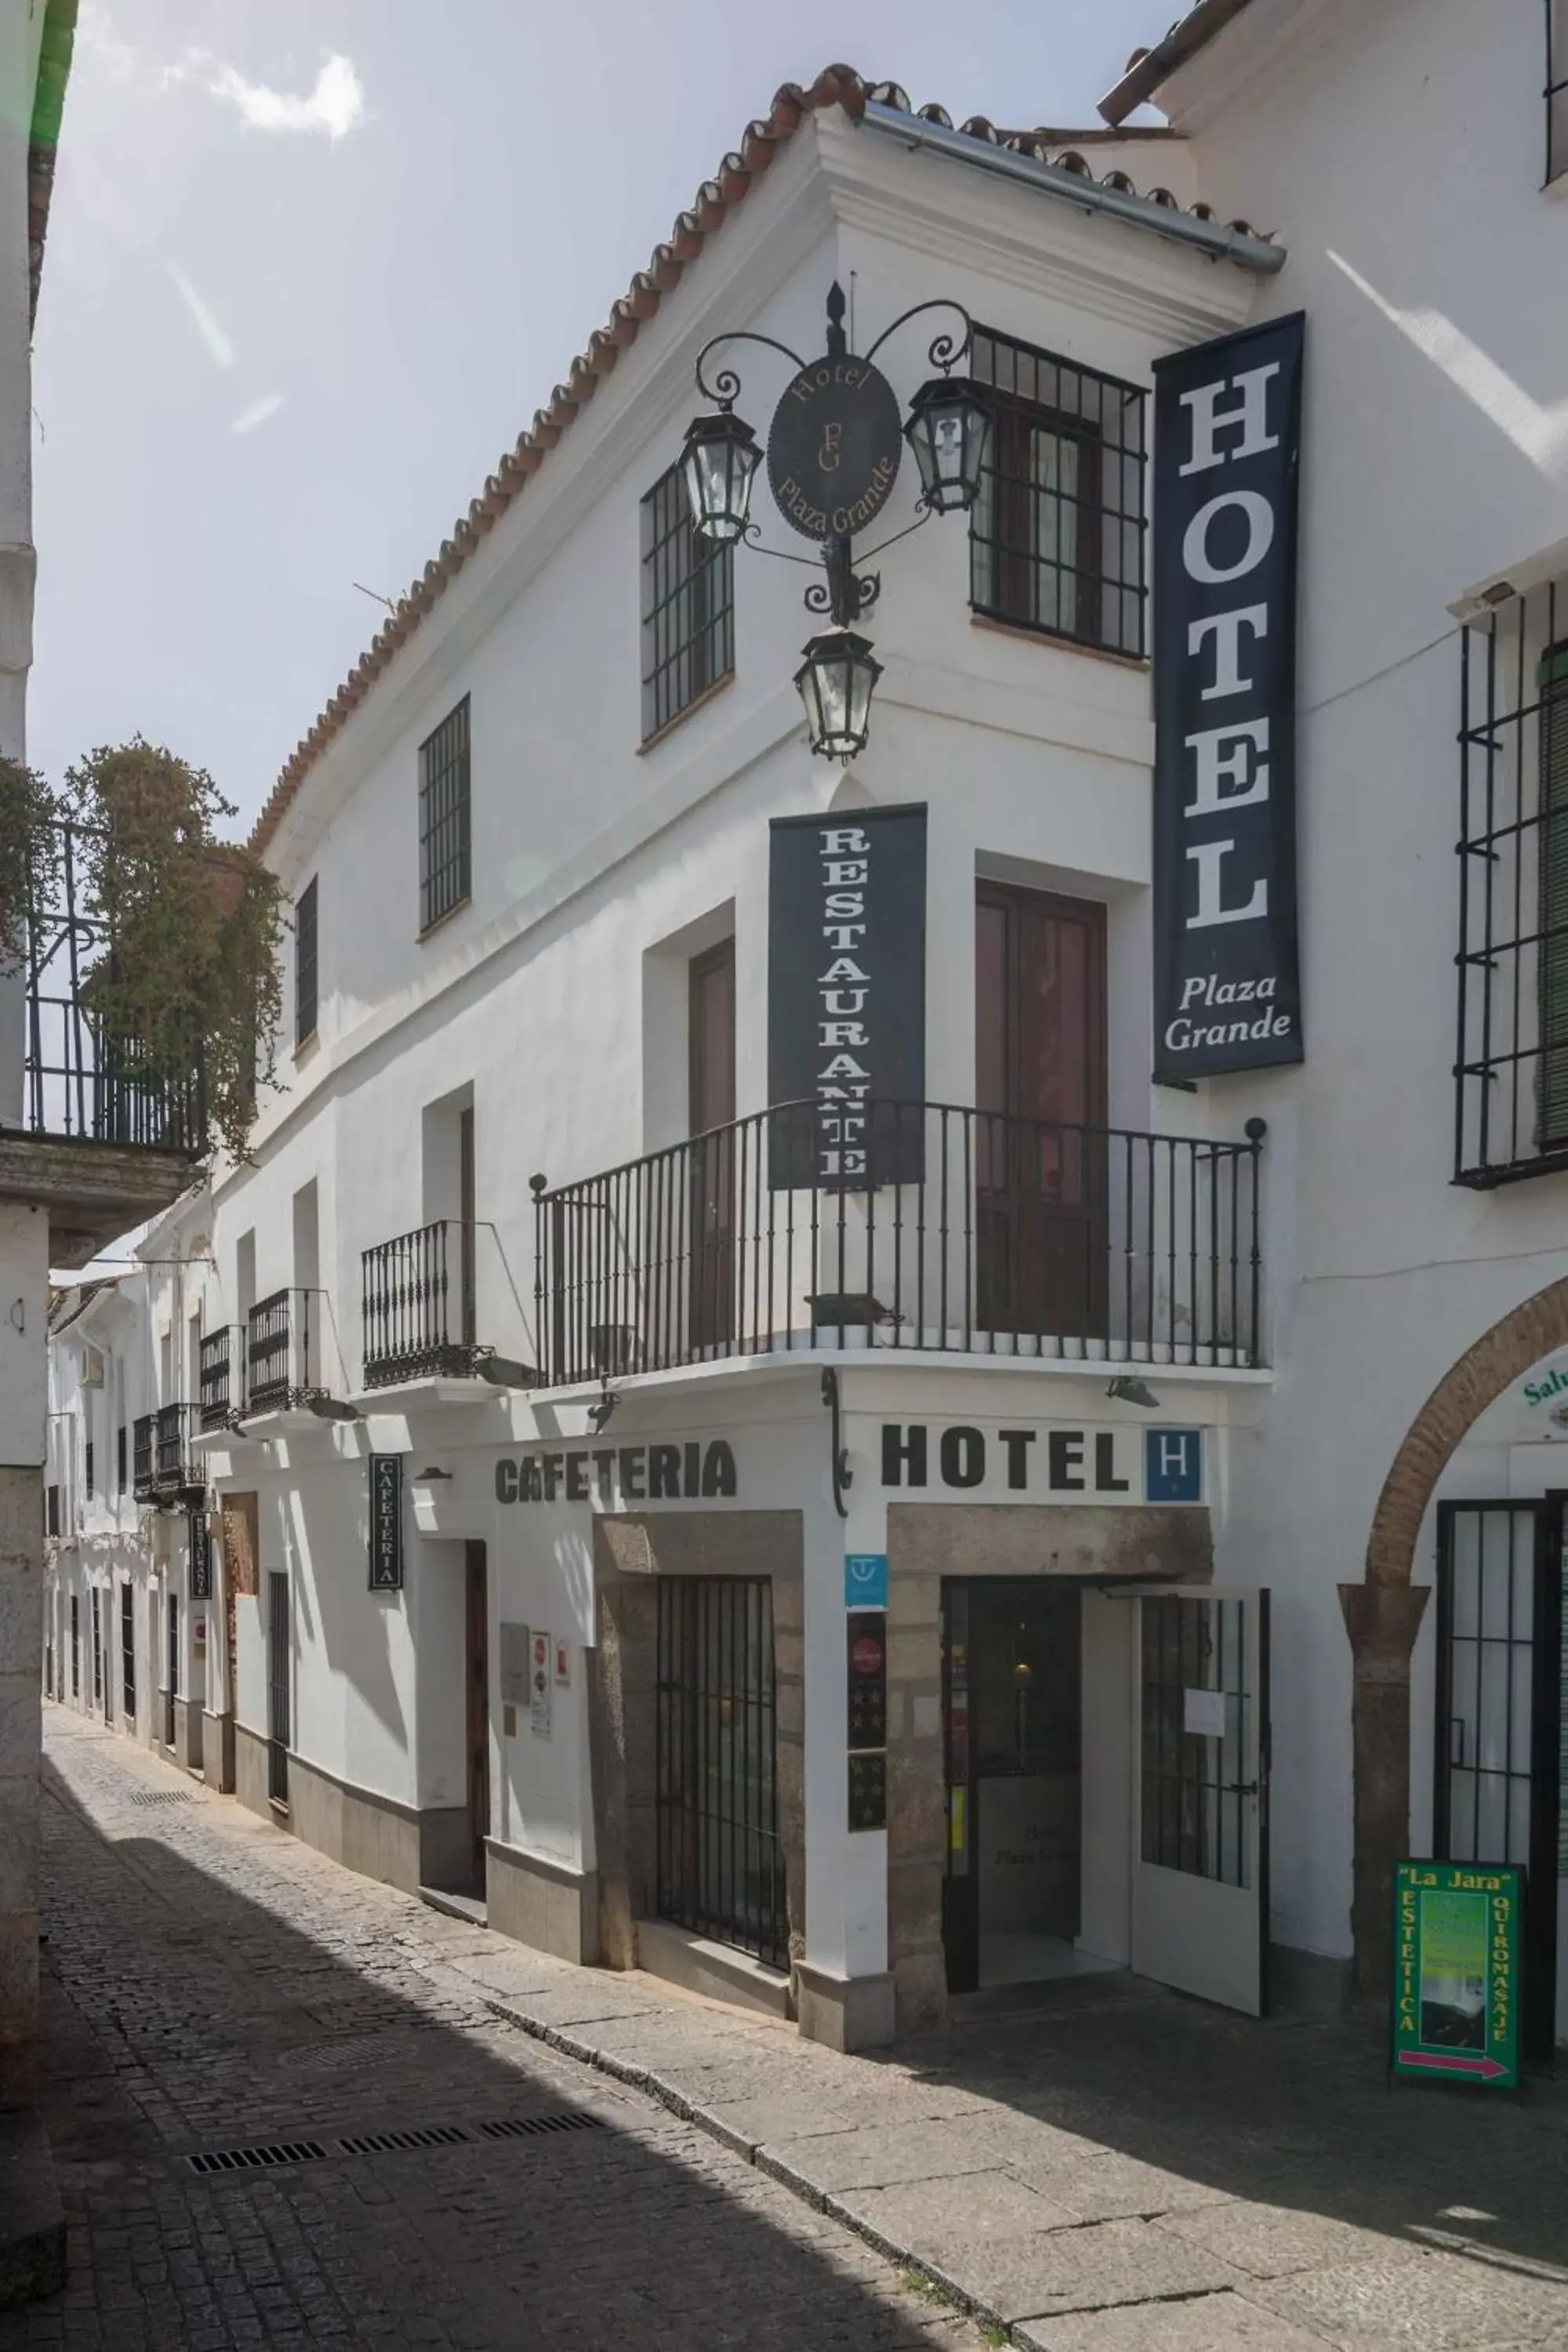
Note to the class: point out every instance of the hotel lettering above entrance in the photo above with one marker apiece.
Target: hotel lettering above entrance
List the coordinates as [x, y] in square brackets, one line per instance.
[1112, 1463]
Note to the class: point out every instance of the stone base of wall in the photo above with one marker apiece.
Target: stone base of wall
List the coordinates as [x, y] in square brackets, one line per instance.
[21, 1739]
[372, 1835]
[188, 1740]
[714, 1970]
[844, 2013]
[1308, 1984]
[217, 1752]
[545, 1904]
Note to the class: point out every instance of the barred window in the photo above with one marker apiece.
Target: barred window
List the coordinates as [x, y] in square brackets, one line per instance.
[1512, 1067]
[305, 964]
[121, 1480]
[86, 1451]
[1057, 534]
[445, 859]
[687, 607]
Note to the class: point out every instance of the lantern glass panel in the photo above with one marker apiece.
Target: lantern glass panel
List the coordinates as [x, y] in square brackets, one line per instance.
[721, 460]
[836, 681]
[948, 426]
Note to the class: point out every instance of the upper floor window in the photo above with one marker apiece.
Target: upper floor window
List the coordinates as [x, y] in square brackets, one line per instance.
[305, 964]
[86, 1452]
[1556, 90]
[1057, 534]
[687, 607]
[445, 862]
[1511, 1066]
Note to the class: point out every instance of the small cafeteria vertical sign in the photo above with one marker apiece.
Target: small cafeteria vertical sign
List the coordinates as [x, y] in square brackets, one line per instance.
[385, 1522]
[847, 947]
[1458, 1928]
[1227, 436]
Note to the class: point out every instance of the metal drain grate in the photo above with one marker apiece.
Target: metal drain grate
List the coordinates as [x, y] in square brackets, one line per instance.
[258, 2159]
[162, 1797]
[533, 2126]
[388, 2143]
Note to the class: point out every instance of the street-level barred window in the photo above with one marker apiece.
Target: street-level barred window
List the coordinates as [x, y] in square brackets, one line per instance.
[305, 945]
[52, 1511]
[1056, 533]
[446, 853]
[120, 1480]
[86, 1451]
[1511, 1066]
[687, 607]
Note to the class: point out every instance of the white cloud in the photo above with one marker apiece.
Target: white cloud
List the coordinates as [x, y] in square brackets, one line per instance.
[258, 413]
[335, 106]
[97, 35]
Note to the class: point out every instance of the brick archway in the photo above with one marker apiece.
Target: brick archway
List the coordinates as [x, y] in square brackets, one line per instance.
[1383, 1613]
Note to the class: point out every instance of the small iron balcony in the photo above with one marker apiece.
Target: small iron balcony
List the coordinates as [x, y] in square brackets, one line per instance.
[282, 1344]
[968, 1232]
[144, 1458]
[418, 1306]
[177, 1474]
[221, 1376]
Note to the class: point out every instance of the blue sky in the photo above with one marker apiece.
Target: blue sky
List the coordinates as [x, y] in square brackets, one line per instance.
[311, 268]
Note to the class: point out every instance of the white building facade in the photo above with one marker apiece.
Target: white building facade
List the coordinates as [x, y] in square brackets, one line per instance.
[850, 1595]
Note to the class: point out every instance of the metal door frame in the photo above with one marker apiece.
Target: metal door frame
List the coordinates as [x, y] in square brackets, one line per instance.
[1550, 1513]
[128, 1650]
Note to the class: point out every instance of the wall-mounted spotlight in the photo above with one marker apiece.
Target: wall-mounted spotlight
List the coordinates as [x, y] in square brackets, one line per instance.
[1131, 1392]
[331, 1408]
[433, 1472]
[506, 1372]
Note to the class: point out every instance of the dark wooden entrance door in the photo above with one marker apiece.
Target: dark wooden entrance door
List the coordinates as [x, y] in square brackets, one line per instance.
[712, 1034]
[1039, 1091]
[476, 1570]
[1500, 1757]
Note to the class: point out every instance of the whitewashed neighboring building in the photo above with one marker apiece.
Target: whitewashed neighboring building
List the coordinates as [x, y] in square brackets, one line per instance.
[847, 1596]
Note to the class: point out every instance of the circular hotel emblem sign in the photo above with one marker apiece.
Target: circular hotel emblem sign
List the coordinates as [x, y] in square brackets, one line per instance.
[834, 447]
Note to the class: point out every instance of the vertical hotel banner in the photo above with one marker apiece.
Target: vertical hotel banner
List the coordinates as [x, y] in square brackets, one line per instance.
[1227, 431]
[847, 996]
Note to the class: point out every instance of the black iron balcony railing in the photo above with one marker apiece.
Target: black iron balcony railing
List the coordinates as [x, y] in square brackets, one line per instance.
[62, 1075]
[221, 1376]
[176, 1470]
[982, 1234]
[281, 1352]
[418, 1306]
[143, 1457]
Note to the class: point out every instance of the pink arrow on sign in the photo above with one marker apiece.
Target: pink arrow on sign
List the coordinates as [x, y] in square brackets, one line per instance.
[1487, 2068]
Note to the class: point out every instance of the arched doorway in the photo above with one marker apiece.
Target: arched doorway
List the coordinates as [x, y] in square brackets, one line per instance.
[1383, 1612]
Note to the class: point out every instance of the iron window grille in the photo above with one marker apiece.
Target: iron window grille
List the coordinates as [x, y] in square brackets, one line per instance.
[1511, 1063]
[1055, 539]
[128, 1653]
[87, 1467]
[305, 964]
[1195, 1790]
[75, 1646]
[687, 607]
[52, 1511]
[446, 855]
[1556, 91]
[122, 1475]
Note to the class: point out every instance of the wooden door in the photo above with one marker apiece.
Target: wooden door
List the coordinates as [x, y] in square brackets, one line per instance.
[711, 1082]
[1039, 1091]
[479, 1705]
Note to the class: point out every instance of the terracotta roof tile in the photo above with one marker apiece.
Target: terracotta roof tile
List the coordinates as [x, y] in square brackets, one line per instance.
[837, 85]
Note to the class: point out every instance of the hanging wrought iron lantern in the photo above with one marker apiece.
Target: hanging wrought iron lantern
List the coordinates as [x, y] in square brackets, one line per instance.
[720, 458]
[835, 682]
[948, 429]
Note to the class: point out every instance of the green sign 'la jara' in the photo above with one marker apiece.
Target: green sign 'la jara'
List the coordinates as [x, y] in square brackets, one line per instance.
[1458, 1931]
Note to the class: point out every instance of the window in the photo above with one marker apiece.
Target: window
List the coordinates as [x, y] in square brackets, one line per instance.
[1556, 90]
[445, 876]
[305, 964]
[687, 607]
[88, 1452]
[75, 1646]
[121, 1480]
[1057, 536]
[1511, 1066]
[128, 1653]
[52, 1511]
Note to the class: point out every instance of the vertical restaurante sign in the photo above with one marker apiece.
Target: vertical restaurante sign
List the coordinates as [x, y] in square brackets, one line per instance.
[847, 956]
[385, 1522]
[1228, 429]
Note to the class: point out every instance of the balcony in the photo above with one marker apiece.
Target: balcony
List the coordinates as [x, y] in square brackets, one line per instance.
[980, 1236]
[418, 1306]
[222, 1378]
[280, 1353]
[86, 1130]
[144, 1458]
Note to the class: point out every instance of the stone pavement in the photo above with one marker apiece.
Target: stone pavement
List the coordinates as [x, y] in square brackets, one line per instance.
[1109, 2168]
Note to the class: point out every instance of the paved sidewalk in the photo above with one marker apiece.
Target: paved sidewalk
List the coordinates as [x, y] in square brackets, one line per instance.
[1116, 2169]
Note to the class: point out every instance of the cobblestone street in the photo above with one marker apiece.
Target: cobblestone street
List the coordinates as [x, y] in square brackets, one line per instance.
[1100, 2167]
[214, 1985]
